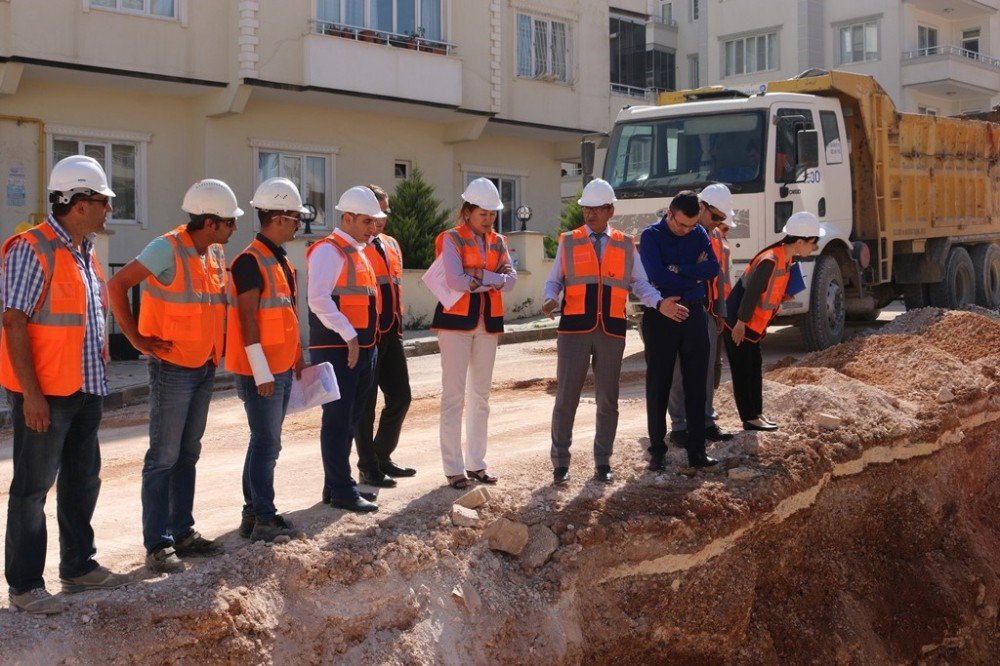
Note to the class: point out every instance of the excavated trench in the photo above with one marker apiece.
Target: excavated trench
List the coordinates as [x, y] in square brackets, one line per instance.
[871, 540]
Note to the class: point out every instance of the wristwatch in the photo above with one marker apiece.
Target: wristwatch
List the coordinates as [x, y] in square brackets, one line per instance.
[673, 268]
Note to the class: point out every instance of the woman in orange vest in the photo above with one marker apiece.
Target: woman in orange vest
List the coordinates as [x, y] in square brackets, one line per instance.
[476, 263]
[764, 288]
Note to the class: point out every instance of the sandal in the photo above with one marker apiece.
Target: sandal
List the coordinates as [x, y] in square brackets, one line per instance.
[458, 481]
[482, 476]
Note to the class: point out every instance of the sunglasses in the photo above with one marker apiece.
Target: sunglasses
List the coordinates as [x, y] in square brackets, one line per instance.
[715, 214]
[231, 222]
[594, 209]
[97, 200]
[296, 220]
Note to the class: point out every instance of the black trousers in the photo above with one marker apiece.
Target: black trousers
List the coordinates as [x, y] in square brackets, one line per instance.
[746, 367]
[665, 340]
[392, 377]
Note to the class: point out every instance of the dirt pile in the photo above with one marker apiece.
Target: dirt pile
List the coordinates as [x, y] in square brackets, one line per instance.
[877, 541]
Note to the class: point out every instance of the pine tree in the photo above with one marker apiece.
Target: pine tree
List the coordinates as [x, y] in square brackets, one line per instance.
[416, 220]
[570, 218]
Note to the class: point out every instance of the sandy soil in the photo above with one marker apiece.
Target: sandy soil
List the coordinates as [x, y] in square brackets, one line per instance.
[875, 541]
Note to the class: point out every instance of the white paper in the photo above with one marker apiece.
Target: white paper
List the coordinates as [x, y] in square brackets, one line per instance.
[317, 386]
[435, 280]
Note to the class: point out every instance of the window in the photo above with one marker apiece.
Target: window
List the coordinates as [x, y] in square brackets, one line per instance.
[401, 170]
[757, 53]
[311, 173]
[123, 161]
[927, 110]
[927, 40]
[542, 48]
[694, 75]
[694, 10]
[402, 17]
[970, 42]
[660, 70]
[667, 12]
[859, 42]
[164, 8]
[831, 137]
[785, 148]
[508, 186]
[628, 52]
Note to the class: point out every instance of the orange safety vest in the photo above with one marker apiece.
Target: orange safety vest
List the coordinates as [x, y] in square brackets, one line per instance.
[356, 295]
[57, 326]
[465, 314]
[595, 292]
[721, 249]
[190, 312]
[277, 323]
[390, 282]
[770, 300]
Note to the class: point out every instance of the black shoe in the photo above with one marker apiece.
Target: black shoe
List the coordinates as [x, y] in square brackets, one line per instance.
[371, 497]
[757, 424]
[679, 437]
[378, 480]
[560, 475]
[395, 471]
[604, 474]
[704, 460]
[246, 526]
[195, 545]
[714, 434]
[357, 504]
[657, 463]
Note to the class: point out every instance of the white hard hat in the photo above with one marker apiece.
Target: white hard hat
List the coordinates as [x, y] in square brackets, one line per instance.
[718, 196]
[78, 173]
[211, 197]
[803, 224]
[598, 192]
[360, 201]
[483, 193]
[278, 194]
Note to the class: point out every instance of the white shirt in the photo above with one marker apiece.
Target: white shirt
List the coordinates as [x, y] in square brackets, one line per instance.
[641, 287]
[324, 266]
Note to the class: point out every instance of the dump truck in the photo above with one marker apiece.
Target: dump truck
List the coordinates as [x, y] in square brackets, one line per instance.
[910, 203]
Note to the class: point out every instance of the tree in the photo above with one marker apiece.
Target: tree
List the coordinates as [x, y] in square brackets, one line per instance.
[570, 218]
[416, 220]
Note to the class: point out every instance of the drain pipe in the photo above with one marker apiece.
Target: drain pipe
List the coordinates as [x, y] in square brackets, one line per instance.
[20, 120]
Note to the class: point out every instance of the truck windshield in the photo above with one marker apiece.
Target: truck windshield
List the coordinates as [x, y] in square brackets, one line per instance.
[663, 156]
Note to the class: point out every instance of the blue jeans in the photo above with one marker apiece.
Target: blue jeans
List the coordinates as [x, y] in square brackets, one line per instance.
[178, 411]
[265, 417]
[340, 417]
[69, 448]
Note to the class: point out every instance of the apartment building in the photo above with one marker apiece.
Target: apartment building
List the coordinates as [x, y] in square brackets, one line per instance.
[330, 93]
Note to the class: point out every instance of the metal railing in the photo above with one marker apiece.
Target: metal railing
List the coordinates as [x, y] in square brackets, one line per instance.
[669, 22]
[951, 49]
[370, 35]
[647, 94]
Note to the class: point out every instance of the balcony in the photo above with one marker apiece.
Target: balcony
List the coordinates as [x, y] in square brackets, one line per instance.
[956, 10]
[661, 33]
[636, 94]
[408, 67]
[951, 71]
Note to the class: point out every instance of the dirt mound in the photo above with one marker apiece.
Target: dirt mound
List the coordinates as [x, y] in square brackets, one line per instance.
[873, 541]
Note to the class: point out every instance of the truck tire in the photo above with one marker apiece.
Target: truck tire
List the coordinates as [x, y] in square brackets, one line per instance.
[823, 325]
[958, 288]
[916, 296]
[986, 267]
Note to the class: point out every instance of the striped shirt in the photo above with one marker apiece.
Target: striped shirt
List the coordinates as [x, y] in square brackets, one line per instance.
[23, 281]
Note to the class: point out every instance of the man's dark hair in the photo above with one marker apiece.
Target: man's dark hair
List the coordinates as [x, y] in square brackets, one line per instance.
[197, 222]
[379, 193]
[265, 217]
[62, 210]
[686, 202]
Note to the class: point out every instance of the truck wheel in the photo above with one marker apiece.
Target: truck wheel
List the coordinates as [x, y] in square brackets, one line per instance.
[986, 267]
[958, 288]
[916, 296]
[823, 325]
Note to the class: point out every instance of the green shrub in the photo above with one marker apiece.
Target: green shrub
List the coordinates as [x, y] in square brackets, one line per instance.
[570, 218]
[416, 220]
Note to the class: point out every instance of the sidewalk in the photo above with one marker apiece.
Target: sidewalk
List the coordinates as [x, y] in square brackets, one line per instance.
[128, 381]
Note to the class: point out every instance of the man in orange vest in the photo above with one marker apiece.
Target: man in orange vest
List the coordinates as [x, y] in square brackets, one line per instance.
[716, 208]
[263, 349]
[181, 329]
[53, 364]
[375, 465]
[595, 266]
[343, 329]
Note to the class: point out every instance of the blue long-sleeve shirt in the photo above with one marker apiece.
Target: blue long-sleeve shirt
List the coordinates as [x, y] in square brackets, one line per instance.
[659, 247]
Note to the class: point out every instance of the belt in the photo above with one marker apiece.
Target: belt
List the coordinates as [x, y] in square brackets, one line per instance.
[691, 304]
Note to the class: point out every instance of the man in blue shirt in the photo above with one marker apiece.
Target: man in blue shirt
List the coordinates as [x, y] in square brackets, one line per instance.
[678, 259]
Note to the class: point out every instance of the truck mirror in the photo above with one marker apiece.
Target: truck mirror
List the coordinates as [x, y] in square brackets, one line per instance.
[587, 151]
[806, 149]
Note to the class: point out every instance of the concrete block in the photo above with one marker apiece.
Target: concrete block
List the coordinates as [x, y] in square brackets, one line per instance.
[828, 421]
[474, 498]
[463, 517]
[507, 536]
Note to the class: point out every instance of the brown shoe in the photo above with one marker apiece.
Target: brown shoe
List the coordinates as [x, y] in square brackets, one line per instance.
[458, 481]
[37, 601]
[482, 476]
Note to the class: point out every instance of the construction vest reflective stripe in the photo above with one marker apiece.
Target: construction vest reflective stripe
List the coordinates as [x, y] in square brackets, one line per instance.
[277, 323]
[390, 279]
[356, 295]
[57, 326]
[770, 301]
[465, 314]
[190, 312]
[595, 292]
[716, 297]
